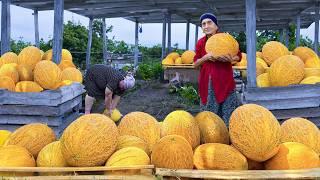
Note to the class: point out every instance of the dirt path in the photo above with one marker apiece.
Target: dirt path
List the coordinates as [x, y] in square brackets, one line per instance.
[153, 98]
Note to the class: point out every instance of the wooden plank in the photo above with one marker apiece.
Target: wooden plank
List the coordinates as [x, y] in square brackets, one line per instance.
[58, 30]
[187, 34]
[105, 41]
[136, 43]
[36, 28]
[88, 53]
[316, 28]
[86, 177]
[41, 110]
[300, 112]
[251, 41]
[5, 26]
[164, 33]
[196, 35]
[231, 174]
[169, 32]
[298, 30]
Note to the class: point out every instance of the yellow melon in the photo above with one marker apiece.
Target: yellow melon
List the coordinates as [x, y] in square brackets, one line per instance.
[7, 83]
[255, 132]
[132, 141]
[142, 125]
[263, 80]
[174, 152]
[262, 62]
[15, 156]
[187, 57]
[212, 128]
[173, 55]
[9, 57]
[273, 50]
[51, 156]
[301, 130]
[72, 74]
[10, 70]
[312, 63]
[4, 135]
[33, 137]
[28, 86]
[30, 56]
[260, 68]
[286, 70]
[311, 80]
[89, 141]
[178, 60]
[65, 55]
[243, 61]
[215, 156]
[222, 44]
[259, 55]
[47, 55]
[293, 155]
[304, 53]
[66, 64]
[168, 61]
[115, 115]
[63, 83]
[182, 123]
[311, 72]
[47, 74]
[25, 72]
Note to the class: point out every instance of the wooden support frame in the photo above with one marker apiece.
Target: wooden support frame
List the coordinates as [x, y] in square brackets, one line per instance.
[136, 43]
[105, 41]
[36, 28]
[58, 30]
[251, 41]
[164, 33]
[187, 34]
[5, 26]
[88, 53]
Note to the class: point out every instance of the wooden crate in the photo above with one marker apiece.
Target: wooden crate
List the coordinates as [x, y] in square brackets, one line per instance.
[56, 108]
[231, 174]
[83, 173]
[287, 102]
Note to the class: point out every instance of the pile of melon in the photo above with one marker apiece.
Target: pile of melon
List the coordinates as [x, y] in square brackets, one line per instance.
[174, 58]
[277, 66]
[34, 71]
[254, 141]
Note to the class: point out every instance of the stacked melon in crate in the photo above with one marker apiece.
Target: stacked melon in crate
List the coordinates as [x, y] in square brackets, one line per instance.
[35, 89]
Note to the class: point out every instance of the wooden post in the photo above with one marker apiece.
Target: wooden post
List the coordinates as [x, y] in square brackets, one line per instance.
[251, 41]
[105, 42]
[89, 44]
[36, 28]
[169, 33]
[196, 35]
[316, 30]
[5, 26]
[286, 35]
[164, 33]
[298, 30]
[58, 30]
[136, 43]
[187, 34]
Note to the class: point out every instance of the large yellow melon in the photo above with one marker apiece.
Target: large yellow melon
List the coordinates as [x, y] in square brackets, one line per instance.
[312, 63]
[215, 156]
[255, 132]
[262, 62]
[212, 128]
[10, 70]
[243, 61]
[293, 155]
[173, 55]
[9, 57]
[222, 44]
[89, 141]
[187, 57]
[51, 156]
[30, 56]
[71, 74]
[129, 156]
[259, 55]
[63, 83]
[260, 67]
[4, 135]
[174, 152]
[263, 80]
[132, 141]
[25, 72]
[182, 123]
[286, 70]
[301, 130]
[7, 83]
[33, 137]
[28, 86]
[178, 61]
[168, 61]
[15, 156]
[115, 115]
[304, 53]
[311, 80]
[66, 64]
[65, 55]
[141, 125]
[311, 72]
[273, 50]
[47, 55]
[47, 74]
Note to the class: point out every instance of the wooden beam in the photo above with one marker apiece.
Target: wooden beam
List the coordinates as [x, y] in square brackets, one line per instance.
[88, 53]
[164, 29]
[5, 26]
[251, 41]
[169, 32]
[187, 34]
[136, 43]
[316, 31]
[105, 42]
[298, 30]
[196, 36]
[58, 30]
[36, 28]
